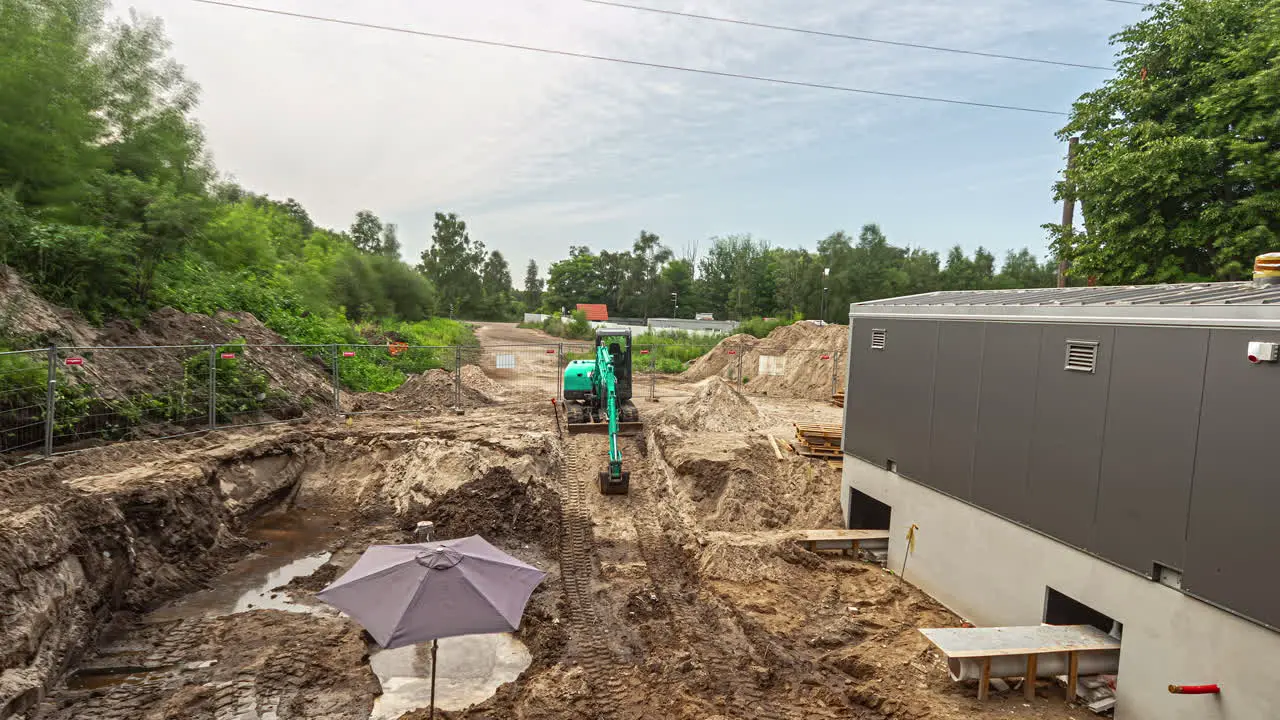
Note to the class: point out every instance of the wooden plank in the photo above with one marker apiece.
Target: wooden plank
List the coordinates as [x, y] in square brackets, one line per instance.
[833, 534]
[1073, 674]
[774, 443]
[997, 641]
[984, 685]
[1029, 683]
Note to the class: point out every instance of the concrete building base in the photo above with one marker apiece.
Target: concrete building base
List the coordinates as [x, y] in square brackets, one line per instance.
[994, 572]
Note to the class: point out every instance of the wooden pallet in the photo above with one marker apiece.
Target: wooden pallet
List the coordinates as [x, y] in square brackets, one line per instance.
[838, 399]
[822, 441]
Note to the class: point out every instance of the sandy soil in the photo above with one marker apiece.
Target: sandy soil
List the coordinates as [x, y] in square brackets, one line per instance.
[686, 598]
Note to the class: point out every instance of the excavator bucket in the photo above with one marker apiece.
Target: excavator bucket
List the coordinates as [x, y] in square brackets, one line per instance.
[602, 428]
[610, 486]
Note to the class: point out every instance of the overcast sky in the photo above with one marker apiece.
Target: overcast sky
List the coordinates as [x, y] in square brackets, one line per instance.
[539, 152]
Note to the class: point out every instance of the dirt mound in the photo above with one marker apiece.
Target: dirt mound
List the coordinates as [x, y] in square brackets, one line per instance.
[475, 379]
[734, 481]
[750, 558]
[718, 361]
[715, 407]
[805, 356]
[174, 339]
[433, 391]
[498, 507]
[25, 315]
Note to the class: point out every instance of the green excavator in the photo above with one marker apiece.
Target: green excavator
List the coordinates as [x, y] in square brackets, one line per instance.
[597, 397]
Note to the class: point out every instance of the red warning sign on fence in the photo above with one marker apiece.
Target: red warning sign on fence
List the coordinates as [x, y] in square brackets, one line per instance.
[348, 353]
[644, 352]
[733, 352]
[826, 357]
[74, 361]
[551, 351]
[228, 356]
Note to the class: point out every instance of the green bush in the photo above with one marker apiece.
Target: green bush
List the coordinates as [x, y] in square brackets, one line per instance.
[760, 327]
[669, 366]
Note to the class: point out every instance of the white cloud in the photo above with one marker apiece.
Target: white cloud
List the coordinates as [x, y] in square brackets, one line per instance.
[344, 118]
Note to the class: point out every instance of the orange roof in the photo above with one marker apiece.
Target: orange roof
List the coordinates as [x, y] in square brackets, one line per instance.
[598, 313]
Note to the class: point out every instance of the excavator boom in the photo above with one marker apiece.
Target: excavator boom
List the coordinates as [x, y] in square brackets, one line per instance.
[597, 395]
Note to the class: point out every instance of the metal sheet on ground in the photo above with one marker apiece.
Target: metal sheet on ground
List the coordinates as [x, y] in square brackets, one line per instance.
[997, 641]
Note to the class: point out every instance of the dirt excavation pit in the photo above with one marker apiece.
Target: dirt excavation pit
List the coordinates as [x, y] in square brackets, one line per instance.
[180, 582]
[177, 578]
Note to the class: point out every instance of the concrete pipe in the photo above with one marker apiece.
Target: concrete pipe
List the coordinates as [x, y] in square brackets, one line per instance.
[1048, 665]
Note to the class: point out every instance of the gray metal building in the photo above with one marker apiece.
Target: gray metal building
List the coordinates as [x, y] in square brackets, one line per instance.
[1113, 446]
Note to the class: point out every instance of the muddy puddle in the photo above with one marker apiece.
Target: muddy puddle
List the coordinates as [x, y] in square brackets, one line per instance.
[469, 670]
[296, 546]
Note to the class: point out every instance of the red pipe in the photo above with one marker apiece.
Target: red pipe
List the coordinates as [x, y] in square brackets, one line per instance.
[1195, 689]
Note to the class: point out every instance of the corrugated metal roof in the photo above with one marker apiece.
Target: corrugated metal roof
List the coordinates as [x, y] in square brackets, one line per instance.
[1223, 293]
[1204, 304]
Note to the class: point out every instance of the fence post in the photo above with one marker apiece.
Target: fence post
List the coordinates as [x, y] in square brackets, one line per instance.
[835, 363]
[457, 379]
[653, 373]
[742, 349]
[51, 400]
[337, 387]
[560, 371]
[213, 387]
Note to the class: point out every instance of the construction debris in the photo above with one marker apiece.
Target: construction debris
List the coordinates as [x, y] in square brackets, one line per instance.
[838, 399]
[819, 440]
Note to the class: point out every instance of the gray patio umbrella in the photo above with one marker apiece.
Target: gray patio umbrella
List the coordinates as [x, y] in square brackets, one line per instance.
[407, 594]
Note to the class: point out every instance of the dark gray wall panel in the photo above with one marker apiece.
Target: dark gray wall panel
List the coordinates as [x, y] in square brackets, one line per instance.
[911, 349]
[955, 407]
[1071, 410]
[1006, 408]
[864, 434]
[1234, 539]
[1148, 455]
[890, 392]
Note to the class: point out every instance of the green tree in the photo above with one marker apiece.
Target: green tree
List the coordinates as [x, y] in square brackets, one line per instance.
[677, 277]
[495, 286]
[453, 264]
[532, 287]
[147, 106]
[390, 242]
[1021, 269]
[576, 279]
[50, 88]
[366, 233]
[648, 255]
[1178, 167]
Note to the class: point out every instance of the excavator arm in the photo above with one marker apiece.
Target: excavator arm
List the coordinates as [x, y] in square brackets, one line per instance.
[609, 389]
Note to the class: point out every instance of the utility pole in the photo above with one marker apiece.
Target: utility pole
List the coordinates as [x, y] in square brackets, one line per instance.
[675, 305]
[1068, 214]
[822, 315]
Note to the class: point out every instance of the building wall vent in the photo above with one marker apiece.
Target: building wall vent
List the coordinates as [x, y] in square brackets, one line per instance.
[877, 339]
[1082, 355]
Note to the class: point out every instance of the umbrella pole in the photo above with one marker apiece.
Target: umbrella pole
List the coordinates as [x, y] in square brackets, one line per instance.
[434, 646]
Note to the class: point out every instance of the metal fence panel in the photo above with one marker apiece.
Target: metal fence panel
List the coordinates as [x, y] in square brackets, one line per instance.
[126, 393]
[397, 378]
[259, 384]
[515, 373]
[24, 400]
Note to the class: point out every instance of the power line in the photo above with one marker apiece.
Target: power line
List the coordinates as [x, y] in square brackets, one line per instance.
[843, 36]
[636, 63]
[1127, 2]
